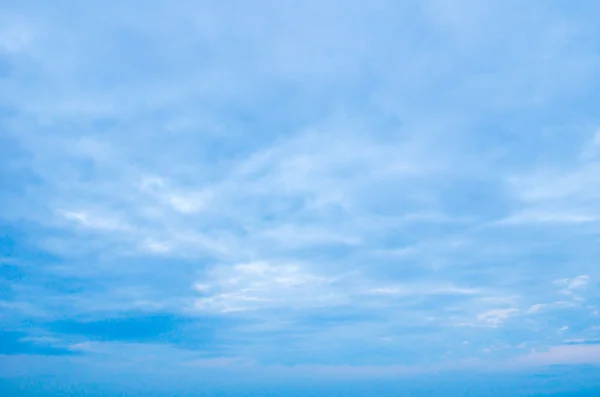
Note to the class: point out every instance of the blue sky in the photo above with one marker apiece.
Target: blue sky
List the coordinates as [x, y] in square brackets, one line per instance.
[294, 197]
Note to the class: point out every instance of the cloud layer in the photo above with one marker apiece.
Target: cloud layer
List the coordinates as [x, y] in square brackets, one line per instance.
[386, 185]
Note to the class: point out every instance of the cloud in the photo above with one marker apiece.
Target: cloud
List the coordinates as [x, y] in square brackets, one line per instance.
[14, 343]
[253, 285]
[264, 285]
[592, 148]
[92, 222]
[423, 290]
[567, 354]
[344, 187]
[575, 285]
[579, 282]
[548, 217]
[564, 193]
[536, 308]
[497, 316]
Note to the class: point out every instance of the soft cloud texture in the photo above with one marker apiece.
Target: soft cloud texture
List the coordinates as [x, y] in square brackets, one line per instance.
[334, 187]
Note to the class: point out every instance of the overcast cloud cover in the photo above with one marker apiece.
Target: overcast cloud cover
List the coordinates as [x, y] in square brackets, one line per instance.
[252, 194]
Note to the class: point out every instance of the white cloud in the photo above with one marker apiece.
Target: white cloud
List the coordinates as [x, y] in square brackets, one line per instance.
[548, 217]
[263, 285]
[573, 286]
[422, 290]
[297, 236]
[579, 282]
[568, 354]
[496, 317]
[559, 192]
[94, 222]
[186, 202]
[157, 246]
[536, 308]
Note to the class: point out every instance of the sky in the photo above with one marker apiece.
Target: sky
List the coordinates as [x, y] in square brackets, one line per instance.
[299, 198]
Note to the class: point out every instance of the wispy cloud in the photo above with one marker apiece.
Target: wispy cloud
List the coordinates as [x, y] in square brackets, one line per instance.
[497, 316]
[333, 184]
[572, 286]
